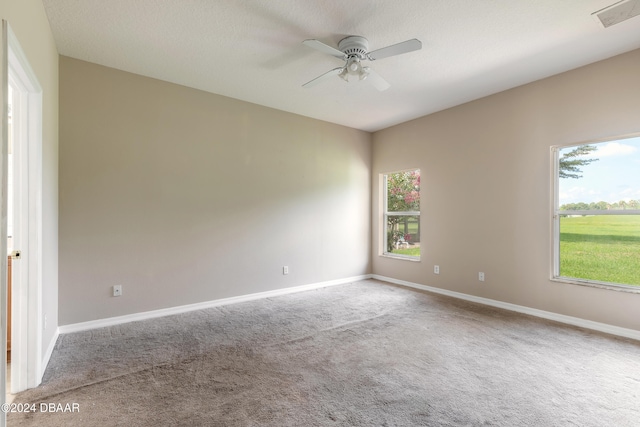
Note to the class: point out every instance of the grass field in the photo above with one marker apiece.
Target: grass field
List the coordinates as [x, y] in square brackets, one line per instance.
[415, 251]
[604, 248]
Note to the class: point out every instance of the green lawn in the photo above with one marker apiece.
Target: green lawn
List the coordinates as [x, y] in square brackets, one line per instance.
[415, 251]
[604, 248]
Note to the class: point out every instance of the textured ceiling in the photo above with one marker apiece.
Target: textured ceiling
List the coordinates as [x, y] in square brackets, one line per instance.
[252, 50]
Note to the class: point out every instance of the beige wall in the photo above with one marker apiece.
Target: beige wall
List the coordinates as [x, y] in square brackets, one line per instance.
[30, 25]
[486, 187]
[183, 196]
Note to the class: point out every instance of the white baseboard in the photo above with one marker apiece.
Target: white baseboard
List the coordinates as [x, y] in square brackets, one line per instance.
[101, 323]
[47, 355]
[575, 321]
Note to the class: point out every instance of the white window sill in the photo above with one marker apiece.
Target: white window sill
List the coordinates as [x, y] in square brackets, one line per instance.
[610, 286]
[405, 258]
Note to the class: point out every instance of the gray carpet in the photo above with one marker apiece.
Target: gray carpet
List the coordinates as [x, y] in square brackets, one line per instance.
[363, 354]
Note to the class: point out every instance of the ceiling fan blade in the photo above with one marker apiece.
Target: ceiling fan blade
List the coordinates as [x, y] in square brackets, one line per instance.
[325, 48]
[324, 76]
[377, 81]
[396, 49]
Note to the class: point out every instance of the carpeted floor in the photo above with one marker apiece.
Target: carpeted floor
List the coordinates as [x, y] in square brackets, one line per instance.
[363, 354]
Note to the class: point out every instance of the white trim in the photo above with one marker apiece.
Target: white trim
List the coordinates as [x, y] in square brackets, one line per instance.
[111, 321]
[594, 213]
[618, 287]
[4, 80]
[575, 321]
[555, 219]
[556, 213]
[386, 214]
[50, 347]
[28, 368]
[16, 55]
[598, 140]
[403, 213]
[399, 256]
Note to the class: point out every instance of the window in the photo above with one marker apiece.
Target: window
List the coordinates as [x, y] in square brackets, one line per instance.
[402, 214]
[597, 213]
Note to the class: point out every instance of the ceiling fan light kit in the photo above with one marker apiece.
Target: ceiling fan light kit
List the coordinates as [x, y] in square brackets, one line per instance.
[354, 68]
[355, 49]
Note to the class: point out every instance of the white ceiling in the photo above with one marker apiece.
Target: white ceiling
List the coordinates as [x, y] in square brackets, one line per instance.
[252, 49]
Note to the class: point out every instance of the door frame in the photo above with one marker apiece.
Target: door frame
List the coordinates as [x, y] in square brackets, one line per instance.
[4, 88]
[27, 323]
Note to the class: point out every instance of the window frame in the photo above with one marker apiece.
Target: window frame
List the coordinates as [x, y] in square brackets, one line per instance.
[386, 213]
[556, 213]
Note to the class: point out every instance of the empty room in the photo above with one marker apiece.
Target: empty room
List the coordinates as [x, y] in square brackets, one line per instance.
[320, 213]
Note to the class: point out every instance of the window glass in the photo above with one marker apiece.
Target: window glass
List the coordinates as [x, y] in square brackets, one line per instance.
[597, 213]
[402, 214]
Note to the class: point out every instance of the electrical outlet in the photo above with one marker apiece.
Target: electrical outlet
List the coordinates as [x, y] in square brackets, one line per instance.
[285, 269]
[117, 290]
[481, 276]
[436, 269]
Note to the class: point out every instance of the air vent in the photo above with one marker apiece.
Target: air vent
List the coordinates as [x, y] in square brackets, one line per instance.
[617, 12]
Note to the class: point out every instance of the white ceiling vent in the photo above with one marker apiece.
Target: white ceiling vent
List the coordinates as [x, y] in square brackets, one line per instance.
[617, 12]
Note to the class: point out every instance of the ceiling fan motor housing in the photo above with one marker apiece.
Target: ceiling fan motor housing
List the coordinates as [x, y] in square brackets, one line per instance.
[354, 46]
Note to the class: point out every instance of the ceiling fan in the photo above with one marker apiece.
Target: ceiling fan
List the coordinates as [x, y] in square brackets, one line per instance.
[355, 49]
